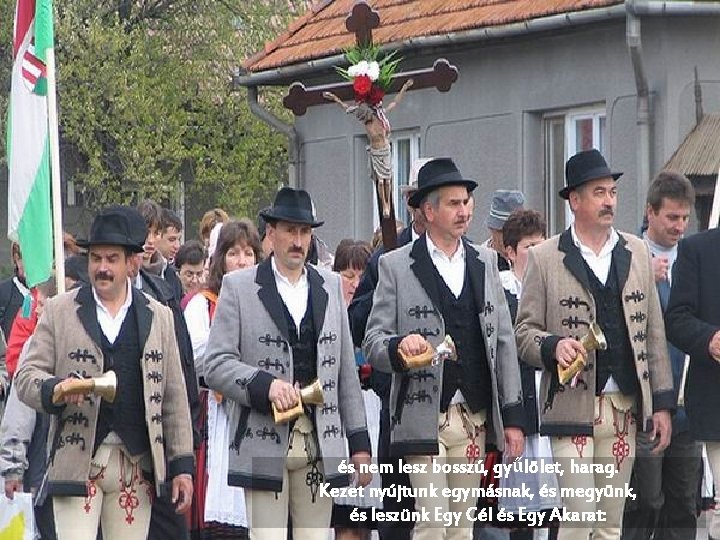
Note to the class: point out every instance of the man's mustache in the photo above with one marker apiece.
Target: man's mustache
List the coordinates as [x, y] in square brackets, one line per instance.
[607, 212]
[103, 276]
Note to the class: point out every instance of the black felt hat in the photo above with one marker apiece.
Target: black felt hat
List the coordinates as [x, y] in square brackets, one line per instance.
[293, 205]
[435, 174]
[115, 226]
[584, 167]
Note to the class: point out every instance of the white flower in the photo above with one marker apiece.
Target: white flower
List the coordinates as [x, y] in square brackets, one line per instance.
[373, 71]
[361, 68]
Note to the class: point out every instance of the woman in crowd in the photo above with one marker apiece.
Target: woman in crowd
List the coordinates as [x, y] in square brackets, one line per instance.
[523, 230]
[351, 258]
[219, 508]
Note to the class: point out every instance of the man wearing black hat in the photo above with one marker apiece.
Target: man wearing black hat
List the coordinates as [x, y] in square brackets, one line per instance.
[277, 326]
[444, 285]
[105, 451]
[588, 274]
[358, 312]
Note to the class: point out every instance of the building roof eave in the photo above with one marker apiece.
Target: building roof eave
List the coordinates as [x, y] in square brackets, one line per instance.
[284, 75]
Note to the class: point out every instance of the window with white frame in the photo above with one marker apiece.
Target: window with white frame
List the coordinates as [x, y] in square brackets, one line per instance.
[405, 149]
[565, 134]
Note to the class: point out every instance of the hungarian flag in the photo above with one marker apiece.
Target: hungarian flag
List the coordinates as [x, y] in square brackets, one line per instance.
[29, 213]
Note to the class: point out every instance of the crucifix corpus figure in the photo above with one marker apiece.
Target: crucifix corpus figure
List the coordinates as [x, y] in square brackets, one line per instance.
[370, 76]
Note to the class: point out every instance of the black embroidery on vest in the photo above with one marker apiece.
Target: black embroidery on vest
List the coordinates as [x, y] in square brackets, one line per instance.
[422, 375]
[426, 332]
[276, 364]
[328, 385]
[155, 376]
[418, 397]
[638, 317]
[328, 361]
[636, 296]
[574, 322]
[76, 418]
[267, 340]
[266, 433]
[156, 397]
[488, 308]
[574, 302]
[328, 337]
[328, 408]
[82, 356]
[421, 312]
[331, 431]
[154, 356]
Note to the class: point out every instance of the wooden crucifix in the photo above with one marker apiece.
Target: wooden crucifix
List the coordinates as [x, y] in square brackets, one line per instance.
[361, 21]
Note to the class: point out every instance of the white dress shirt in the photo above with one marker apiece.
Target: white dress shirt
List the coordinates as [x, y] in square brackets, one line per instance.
[451, 269]
[294, 295]
[600, 265]
[110, 325]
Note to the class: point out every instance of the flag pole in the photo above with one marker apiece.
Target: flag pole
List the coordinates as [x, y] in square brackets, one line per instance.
[58, 235]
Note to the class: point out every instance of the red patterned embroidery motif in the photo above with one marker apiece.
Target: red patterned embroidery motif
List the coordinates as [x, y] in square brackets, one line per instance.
[128, 499]
[91, 492]
[580, 441]
[621, 448]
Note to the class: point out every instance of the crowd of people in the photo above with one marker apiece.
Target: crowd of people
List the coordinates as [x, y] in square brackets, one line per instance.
[252, 370]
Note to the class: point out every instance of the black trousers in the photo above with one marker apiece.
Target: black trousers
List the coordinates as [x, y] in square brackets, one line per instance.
[666, 487]
[165, 524]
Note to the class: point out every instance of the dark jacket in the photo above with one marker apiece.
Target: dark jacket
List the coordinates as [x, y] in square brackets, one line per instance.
[161, 291]
[691, 319]
[11, 300]
[527, 379]
[359, 311]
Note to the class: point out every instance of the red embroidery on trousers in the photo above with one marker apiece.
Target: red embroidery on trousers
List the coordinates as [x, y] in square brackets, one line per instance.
[128, 499]
[580, 441]
[621, 448]
[91, 492]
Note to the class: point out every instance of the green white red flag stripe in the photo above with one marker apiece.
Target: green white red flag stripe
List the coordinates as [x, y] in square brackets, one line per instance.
[29, 209]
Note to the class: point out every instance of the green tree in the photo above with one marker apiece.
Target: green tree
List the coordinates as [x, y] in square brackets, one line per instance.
[145, 100]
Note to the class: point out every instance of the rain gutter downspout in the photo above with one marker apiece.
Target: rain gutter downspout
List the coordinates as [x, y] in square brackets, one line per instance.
[294, 169]
[634, 43]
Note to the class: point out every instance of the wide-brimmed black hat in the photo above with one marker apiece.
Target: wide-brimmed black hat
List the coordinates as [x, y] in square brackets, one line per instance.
[115, 226]
[293, 205]
[583, 167]
[435, 174]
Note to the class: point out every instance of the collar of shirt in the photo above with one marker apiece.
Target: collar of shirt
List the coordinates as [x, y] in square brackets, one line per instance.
[435, 252]
[294, 295]
[600, 263]
[138, 282]
[606, 249]
[110, 325]
[451, 269]
[511, 283]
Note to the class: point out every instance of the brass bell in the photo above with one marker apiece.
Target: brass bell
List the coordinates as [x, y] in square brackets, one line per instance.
[310, 395]
[104, 386]
[445, 351]
[594, 340]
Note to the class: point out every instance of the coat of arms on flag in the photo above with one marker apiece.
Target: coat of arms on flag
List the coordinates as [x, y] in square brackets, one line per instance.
[33, 69]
